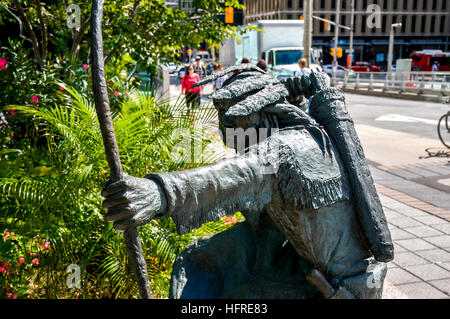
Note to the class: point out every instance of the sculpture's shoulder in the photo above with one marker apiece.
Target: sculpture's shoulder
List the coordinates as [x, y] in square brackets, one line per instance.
[309, 172]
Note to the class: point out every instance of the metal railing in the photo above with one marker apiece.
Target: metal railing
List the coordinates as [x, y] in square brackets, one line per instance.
[430, 83]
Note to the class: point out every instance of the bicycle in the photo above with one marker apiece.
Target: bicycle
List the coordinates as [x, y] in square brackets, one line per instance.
[443, 128]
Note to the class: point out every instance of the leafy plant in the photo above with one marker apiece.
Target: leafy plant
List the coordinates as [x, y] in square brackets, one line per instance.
[52, 191]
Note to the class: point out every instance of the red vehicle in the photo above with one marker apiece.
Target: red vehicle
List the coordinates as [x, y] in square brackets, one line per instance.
[361, 66]
[424, 60]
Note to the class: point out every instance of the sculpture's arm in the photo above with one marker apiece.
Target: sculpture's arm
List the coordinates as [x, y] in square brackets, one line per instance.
[190, 197]
[204, 194]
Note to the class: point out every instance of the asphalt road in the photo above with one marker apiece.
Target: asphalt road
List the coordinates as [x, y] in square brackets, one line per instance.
[411, 117]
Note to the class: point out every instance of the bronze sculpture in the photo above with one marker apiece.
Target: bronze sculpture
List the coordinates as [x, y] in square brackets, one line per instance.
[314, 225]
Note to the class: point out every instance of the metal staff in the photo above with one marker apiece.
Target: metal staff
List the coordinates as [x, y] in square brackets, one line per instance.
[131, 236]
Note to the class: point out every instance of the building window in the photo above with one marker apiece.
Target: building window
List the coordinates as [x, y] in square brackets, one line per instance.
[333, 4]
[424, 6]
[289, 16]
[332, 18]
[405, 4]
[441, 30]
[343, 20]
[415, 5]
[384, 24]
[385, 4]
[289, 4]
[395, 4]
[364, 4]
[300, 4]
[413, 23]
[363, 24]
[434, 4]
[322, 4]
[424, 20]
[433, 24]
[444, 4]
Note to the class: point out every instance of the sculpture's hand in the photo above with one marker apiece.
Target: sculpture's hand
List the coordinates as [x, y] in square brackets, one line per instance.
[298, 87]
[306, 86]
[318, 81]
[133, 202]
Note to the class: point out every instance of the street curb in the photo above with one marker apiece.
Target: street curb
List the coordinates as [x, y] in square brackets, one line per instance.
[395, 95]
[413, 202]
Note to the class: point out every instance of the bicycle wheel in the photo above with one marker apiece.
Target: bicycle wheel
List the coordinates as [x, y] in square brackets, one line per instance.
[444, 129]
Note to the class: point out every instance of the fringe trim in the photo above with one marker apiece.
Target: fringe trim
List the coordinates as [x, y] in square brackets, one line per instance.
[206, 213]
[306, 193]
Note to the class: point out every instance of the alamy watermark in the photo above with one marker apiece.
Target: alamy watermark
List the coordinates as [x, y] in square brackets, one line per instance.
[190, 147]
[74, 16]
[74, 277]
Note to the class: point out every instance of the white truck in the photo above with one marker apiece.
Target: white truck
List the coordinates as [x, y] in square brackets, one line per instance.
[279, 43]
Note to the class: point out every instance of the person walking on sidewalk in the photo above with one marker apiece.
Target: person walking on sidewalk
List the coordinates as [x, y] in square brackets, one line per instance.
[199, 68]
[192, 95]
[303, 69]
[218, 83]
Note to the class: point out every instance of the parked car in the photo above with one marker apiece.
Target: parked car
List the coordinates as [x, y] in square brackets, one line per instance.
[340, 72]
[361, 66]
[171, 66]
[181, 73]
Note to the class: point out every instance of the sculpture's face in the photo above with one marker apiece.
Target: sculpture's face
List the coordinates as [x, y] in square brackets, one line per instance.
[236, 133]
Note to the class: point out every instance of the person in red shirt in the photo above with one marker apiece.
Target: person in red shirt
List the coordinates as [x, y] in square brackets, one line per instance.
[192, 95]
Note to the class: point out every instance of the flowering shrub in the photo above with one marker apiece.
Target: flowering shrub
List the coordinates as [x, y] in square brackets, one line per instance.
[19, 259]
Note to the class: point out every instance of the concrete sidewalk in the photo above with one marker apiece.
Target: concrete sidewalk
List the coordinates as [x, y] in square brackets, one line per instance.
[421, 267]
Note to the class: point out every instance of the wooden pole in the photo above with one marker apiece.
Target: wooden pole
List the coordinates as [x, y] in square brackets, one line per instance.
[131, 236]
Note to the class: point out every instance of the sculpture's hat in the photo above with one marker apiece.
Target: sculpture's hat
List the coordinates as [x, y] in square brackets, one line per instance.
[246, 91]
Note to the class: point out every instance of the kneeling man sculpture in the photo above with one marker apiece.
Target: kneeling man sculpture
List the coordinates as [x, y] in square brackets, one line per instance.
[314, 227]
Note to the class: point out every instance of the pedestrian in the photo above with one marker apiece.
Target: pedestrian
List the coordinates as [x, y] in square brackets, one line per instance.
[303, 69]
[193, 96]
[436, 66]
[217, 84]
[262, 65]
[199, 68]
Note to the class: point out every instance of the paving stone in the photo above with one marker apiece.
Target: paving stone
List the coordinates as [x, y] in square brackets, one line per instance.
[435, 255]
[421, 290]
[430, 220]
[407, 258]
[411, 211]
[405, 173]
[440, 241]
[445, 265]
[400, 276]
[444, 227]
[443, 285]
[391, 265]
[422, 172]
[389, 213]
[423, 231]
[415, 244]
[398, 248]
[438, 169]
[429, 272]
[402, 222]
[400, 234]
